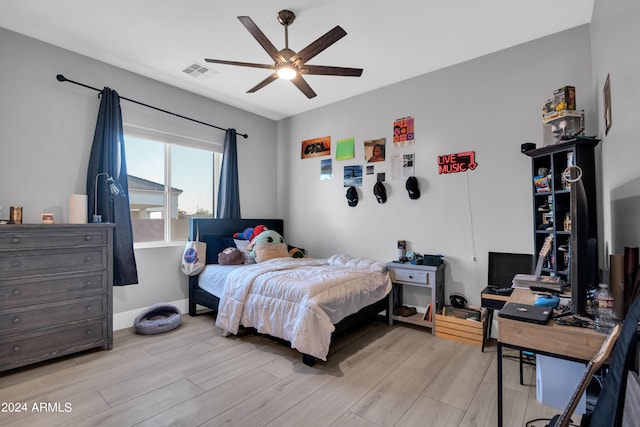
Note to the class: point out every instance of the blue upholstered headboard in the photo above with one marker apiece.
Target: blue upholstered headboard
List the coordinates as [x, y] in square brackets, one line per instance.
[217, 232]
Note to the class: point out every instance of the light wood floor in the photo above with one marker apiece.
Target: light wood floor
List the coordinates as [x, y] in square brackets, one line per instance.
[377, 375]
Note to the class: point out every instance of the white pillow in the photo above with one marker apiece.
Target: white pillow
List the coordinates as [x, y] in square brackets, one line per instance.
[246, 253]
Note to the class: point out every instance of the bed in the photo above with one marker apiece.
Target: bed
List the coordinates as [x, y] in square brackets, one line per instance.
[276, 297]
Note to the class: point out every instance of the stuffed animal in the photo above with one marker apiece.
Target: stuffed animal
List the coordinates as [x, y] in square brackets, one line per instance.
[268, 244]
[230, 256]
[257, 230]
[249, 233]
[244, 234]
[296, 253]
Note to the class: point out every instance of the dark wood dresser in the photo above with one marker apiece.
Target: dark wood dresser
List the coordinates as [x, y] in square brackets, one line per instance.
[56, 294]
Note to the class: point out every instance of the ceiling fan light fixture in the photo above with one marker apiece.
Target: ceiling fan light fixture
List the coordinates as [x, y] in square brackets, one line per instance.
[287, 72]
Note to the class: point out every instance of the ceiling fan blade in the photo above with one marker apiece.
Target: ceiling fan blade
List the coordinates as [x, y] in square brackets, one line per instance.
[263, 83]
[324, 70]
[303, 86]
[242, 64]
[323, 42]
[261, 38]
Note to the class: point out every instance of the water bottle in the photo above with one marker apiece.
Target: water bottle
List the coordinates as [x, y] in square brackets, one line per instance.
[604, 309]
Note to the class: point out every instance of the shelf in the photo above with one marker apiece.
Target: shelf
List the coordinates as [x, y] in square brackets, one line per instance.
[566, 201]
[416, 319]
[427, 278]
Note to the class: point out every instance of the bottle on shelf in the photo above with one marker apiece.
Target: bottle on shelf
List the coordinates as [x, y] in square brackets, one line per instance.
[604, 309]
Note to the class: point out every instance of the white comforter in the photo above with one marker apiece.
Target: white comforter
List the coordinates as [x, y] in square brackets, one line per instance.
[299, 300]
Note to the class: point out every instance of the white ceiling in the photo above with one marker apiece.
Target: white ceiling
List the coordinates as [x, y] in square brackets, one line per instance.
[392, 40]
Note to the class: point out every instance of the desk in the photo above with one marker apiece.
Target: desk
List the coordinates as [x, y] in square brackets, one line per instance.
[564, 342]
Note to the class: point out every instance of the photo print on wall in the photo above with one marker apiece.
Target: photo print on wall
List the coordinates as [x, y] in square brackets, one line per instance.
[402, 165]
[374, 150]
[403, 131]
[316, 147]
[326, 169]
[353, 176]
[345, 149]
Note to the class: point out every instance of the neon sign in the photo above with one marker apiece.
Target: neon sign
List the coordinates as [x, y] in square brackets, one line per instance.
[460, 162]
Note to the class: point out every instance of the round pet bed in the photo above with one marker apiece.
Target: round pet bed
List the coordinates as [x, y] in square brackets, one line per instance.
[156, 319]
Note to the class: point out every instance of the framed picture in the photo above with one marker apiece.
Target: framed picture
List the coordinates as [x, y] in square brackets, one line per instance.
[606, 98]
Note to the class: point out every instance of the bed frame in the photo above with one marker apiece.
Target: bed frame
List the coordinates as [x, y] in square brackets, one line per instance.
[226, 228]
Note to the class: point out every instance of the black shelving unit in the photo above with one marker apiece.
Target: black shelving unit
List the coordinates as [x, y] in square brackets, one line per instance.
[566, 210]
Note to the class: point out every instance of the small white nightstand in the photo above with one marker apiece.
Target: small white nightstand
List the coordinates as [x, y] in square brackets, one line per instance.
[423, 276]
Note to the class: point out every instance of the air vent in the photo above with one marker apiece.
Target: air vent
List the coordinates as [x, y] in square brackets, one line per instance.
[199, 71]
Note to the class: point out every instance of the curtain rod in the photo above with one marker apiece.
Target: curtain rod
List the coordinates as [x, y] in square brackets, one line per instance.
[62, 78]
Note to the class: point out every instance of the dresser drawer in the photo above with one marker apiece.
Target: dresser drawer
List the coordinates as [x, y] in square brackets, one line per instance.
[51, 238]
[50, 315]
[419, 277]
[30, 348]
[27, 291]
[52, 261]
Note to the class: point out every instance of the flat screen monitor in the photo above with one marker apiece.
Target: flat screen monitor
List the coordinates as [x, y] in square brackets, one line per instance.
[503, 266]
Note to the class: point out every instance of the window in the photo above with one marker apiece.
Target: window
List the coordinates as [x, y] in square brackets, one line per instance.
[168, 184]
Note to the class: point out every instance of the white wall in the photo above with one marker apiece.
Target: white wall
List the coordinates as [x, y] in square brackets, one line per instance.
[489, 105]
[47, 131]
[614, 32]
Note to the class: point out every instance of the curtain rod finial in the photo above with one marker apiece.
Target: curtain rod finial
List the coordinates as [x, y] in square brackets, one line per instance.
[61, 78]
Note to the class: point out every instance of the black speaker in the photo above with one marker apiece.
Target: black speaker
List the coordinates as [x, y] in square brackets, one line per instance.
[527, 146]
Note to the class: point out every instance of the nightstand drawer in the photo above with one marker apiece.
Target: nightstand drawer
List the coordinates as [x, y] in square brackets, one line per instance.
[419, 277]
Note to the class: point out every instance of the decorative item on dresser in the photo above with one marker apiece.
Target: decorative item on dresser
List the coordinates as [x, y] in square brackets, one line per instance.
[55, 291]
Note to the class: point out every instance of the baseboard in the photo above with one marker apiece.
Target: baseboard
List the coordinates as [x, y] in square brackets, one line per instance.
[125, 319]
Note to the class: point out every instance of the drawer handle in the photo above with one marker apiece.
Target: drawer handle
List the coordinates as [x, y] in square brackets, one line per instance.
[16, 292]
[16, 348]
[15, 240]
[87, 238]
[410, 277]
[16, 263]
[89, 332]
[87, 284]
[88, 259]
[16, 319]
[88, 309]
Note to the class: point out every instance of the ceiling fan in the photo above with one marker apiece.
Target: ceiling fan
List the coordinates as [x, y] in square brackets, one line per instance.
[288, 64]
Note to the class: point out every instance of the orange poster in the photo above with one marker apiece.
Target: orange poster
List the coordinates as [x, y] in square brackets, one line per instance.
[316, 147]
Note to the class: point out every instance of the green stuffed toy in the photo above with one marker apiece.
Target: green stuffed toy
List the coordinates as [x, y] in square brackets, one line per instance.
[296, 253]
[267, 245]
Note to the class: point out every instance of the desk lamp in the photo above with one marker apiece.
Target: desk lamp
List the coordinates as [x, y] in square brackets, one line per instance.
[115, 191]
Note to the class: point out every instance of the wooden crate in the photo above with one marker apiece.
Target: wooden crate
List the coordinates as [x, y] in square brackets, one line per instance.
[461, 330]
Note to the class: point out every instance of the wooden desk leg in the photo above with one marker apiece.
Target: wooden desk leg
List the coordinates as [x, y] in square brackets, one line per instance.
[499, 384]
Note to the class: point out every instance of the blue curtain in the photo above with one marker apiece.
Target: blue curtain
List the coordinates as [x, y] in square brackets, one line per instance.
[229, 190]
[108, 156]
